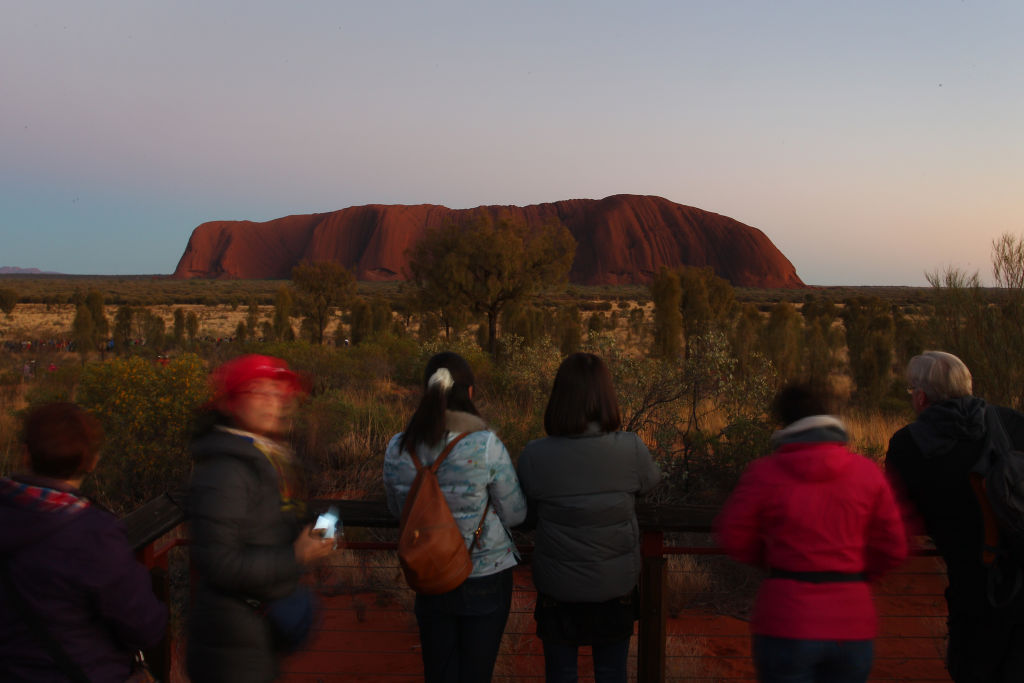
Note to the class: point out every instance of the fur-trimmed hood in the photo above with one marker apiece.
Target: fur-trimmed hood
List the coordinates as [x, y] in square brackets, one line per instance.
[812, 429]
[456, 421]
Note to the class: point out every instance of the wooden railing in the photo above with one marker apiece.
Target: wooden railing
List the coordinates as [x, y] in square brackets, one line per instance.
[912, 652]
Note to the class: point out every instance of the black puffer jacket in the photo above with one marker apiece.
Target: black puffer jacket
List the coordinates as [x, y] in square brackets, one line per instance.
[241, 549]
[582, 490]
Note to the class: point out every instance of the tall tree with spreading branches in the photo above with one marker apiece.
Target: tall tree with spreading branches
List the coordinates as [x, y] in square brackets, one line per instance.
[322, 286]
[486, 266]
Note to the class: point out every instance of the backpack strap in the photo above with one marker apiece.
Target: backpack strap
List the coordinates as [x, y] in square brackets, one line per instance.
[444, 454]
[996, 445]
[433, 470]
[990, 546]
[480, 526]
[995, 442]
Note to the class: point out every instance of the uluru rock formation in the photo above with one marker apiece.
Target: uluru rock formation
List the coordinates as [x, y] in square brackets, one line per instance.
[622, 239]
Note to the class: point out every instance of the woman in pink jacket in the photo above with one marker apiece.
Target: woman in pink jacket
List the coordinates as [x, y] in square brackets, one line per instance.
[823, 521]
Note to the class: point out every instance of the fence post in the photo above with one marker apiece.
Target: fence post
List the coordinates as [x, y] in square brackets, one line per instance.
[650, 649]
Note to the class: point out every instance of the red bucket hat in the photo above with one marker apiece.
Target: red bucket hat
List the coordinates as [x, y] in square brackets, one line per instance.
[231, 377]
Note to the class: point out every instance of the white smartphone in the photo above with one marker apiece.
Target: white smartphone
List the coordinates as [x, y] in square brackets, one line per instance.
[327, 523]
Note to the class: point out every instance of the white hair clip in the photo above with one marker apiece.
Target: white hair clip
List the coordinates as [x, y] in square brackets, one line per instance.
[441, 378]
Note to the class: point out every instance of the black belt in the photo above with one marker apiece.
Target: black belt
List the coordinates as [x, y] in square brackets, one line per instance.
[817, 577]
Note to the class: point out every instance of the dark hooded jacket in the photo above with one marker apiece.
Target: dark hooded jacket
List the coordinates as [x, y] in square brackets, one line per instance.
[814, 506]
[72, 564]
[930, 461]
[243, 555]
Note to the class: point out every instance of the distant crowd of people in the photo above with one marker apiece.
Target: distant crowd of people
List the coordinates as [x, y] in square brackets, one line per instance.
[822, 521]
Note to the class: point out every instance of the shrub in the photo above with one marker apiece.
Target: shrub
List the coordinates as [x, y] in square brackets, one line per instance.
[58, 385]
[146, 410]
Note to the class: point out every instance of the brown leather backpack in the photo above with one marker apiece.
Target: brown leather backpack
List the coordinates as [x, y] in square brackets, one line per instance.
[431, 548]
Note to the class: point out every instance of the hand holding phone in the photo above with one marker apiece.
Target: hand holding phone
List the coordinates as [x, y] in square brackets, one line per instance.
[327, 524]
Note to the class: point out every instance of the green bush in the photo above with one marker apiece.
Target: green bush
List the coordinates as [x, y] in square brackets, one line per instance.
[58, 385]
[146, 410]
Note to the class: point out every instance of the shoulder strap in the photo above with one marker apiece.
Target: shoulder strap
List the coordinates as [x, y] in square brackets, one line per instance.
[480, 526]
[444, 454]
[38, 628]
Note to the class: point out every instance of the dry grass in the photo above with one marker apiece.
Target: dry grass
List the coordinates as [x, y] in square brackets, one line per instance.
[870, 434]
[46, 321]
[38, 321]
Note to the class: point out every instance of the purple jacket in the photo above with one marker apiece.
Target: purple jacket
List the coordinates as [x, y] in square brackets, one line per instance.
[72, 563]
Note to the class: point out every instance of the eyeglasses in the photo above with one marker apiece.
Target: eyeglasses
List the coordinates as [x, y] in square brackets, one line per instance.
[268, 395]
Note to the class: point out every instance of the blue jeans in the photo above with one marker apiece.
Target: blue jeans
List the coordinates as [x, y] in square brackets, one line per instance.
[609, 662]
[460, 630]
[793, 660]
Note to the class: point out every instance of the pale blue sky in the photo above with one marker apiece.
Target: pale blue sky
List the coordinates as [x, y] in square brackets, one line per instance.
[871, 141]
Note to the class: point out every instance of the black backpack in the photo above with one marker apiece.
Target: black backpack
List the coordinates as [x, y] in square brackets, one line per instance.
[998, 482]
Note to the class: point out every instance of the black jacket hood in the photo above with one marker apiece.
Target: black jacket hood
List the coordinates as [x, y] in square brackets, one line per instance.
[942, 425]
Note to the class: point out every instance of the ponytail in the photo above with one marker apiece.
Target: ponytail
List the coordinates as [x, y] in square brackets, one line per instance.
[447, 381]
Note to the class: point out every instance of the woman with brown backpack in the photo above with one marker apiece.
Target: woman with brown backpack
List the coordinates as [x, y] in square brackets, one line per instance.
[460, 626]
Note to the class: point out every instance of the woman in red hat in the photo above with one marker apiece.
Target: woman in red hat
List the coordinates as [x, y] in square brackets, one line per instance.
[248, 545]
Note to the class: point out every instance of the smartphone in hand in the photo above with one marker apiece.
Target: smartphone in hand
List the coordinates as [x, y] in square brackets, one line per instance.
[327, 523]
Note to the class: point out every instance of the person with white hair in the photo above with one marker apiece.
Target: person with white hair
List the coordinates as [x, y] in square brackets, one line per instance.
[930, 463]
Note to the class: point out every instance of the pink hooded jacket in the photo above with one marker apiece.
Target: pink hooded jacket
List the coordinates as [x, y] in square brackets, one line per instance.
[814, 506]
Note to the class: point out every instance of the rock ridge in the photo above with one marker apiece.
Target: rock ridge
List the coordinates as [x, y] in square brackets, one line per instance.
[622, 239]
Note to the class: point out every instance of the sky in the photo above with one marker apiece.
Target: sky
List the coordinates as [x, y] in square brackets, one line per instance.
[871, 141]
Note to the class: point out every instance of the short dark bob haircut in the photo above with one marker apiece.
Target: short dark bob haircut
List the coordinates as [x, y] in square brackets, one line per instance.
[582, 394]
[798, 400]
[62, 440]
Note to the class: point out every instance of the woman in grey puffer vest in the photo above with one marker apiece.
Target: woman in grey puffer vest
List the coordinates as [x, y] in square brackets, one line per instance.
[580, 484]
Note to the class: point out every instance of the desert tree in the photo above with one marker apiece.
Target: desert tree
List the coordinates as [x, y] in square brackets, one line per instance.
[667, 295]
[252, 318]
[908, 336]
[780, 340]
[124, 320]
[983, 325]
[484, 266]
[635, 322]
[90, 327]
[179, 326]
[368, 318]
[1008, 263]
[744, 338]
[8, 300]
[153, 329]
[83, 331]
[94, 301]
[322, 286]
[706, 301]
[192, 326]
[870, 346]
[568, 331]
[438, 310]
[284, 307]
[823, 339]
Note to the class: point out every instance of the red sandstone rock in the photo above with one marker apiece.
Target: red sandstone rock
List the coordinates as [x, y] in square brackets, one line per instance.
[623, 239]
